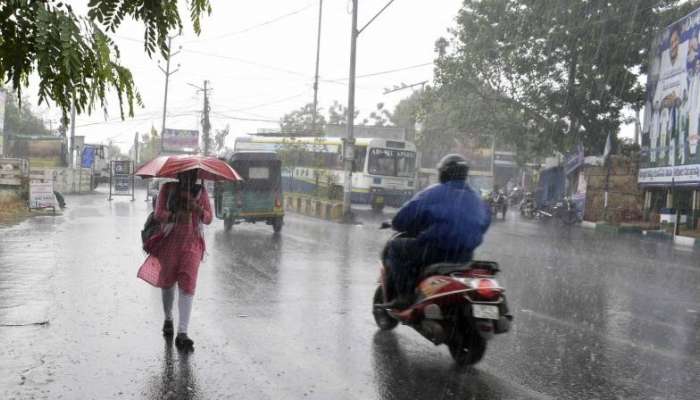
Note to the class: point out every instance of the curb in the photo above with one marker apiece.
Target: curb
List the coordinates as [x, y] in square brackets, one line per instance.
[312, 207]
[685, 241]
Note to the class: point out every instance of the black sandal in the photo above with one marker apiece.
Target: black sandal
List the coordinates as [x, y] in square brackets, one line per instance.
[168, 329]
[183, 342]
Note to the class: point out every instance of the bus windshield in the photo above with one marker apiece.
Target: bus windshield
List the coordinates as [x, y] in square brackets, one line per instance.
[389, 162]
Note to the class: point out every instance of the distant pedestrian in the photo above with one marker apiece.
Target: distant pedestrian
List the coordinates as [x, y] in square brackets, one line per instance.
[184, 206]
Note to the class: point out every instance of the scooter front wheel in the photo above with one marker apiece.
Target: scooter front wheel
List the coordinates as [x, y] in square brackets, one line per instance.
[381, 316]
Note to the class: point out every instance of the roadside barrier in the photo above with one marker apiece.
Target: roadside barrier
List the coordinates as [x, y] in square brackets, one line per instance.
[313, 207]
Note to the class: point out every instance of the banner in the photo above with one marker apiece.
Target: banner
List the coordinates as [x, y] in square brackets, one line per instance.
[180, 141]
[121, 179]
[666, 175]
[573, 160]
[41, 195]
[3, 98]
[88, 157]
[671, 131]
[122, 168]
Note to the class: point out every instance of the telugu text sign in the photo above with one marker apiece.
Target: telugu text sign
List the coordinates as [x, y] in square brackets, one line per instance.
[662, 175]
[180, 140]
[41, 195]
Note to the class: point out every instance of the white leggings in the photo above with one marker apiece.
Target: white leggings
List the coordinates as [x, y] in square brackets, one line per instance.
[184, 306]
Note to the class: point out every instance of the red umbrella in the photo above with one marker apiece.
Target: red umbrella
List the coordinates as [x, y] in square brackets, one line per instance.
[208, 168]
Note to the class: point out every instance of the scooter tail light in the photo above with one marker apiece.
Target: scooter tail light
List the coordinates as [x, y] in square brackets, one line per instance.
[278, 201]
[487, 289]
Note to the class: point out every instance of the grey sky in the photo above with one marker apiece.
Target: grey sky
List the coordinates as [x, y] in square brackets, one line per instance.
[261, 71]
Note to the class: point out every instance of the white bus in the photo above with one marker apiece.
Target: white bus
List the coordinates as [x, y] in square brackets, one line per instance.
[384, 170]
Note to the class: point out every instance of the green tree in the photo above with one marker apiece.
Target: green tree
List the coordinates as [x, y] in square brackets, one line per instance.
[220, 138]
[338, 114]
[556, 72]
[73, 56]
[150, 145]
[113, 152]
[21, 120]
[379, 117]
[300, 121]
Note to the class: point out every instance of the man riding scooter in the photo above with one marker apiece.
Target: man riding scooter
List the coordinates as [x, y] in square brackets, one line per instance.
[444, 223]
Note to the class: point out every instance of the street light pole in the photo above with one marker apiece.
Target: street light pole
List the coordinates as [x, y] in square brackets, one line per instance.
[167, 73]
[349, 148]
[349, 142]
[318, 55]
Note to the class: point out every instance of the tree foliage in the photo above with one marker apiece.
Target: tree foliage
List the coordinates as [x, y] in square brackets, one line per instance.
[301, 121]
[545, 74]
[21, 120]
[73, 56]
[220, 138]
[150, 145]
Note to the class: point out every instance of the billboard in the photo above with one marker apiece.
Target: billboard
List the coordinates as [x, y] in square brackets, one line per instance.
[180, 141]
[671, 129]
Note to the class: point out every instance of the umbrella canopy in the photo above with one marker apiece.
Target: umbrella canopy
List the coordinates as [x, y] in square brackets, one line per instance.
[208, 168]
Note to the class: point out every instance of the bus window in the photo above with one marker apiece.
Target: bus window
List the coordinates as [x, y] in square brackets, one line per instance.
[405, 164]
[392, 162]
[360, 156]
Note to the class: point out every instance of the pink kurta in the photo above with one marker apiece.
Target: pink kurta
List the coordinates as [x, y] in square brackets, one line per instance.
[176, 258]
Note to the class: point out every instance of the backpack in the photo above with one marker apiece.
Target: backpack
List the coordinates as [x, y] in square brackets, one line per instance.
[151, 233]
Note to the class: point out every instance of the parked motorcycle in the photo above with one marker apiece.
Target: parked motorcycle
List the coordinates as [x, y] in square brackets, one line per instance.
[516, 196]
[527, 206]
[460, 305]
[564, 211]
[499, 204]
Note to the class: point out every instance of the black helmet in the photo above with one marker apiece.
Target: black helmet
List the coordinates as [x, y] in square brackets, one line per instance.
[453, 167]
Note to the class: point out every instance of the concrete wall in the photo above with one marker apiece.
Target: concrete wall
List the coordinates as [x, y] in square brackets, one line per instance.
[625, 199]
[13, 180]
[65, 180]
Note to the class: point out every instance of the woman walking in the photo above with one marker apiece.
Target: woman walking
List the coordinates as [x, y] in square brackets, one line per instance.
[182, 207]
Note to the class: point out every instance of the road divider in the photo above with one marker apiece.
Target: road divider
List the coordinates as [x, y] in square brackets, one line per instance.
[313, 207]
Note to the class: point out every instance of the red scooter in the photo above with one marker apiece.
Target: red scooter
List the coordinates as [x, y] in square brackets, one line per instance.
[460, 305]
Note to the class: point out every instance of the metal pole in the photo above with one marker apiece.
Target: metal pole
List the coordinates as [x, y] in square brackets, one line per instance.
[206, 126]
[165, 96]
[349, 149]
[110, 181]
[318, 55]
[72, 135]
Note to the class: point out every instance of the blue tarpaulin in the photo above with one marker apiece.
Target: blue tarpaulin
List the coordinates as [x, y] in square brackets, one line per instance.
[88, 157]
[551, 187]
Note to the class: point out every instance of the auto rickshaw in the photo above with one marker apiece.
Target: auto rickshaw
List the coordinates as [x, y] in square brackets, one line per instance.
[258, 197]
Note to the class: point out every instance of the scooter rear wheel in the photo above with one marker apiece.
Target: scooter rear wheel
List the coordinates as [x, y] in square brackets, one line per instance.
[466, 348]
[381, 316]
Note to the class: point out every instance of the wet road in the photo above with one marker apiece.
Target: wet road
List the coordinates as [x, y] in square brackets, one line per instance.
[288, 316]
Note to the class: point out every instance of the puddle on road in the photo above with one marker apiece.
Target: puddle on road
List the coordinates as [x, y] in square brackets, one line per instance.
[27, 261]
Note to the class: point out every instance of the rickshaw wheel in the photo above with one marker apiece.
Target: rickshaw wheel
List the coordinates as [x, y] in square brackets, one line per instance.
[277, 224]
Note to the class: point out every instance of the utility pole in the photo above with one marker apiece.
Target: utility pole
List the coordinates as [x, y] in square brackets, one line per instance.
[72, 133]
[136, 147]
[206, 126]
[167, 73]
[349, 145]
[349, 141]
[318, 55]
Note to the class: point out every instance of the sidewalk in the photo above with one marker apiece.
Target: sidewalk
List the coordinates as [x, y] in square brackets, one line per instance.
[687, 241]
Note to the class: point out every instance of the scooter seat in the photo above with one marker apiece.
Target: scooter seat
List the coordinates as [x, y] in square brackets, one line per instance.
[450, 268]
